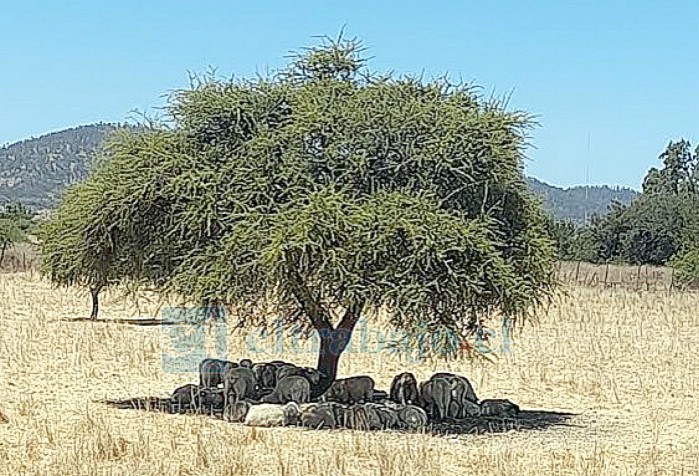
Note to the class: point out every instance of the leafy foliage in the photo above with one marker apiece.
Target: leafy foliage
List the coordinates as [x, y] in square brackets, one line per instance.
[687, 267]
[73, 252]
[324, 191]
[20, 215]
[573, 242]
[15, 223]
[10, 233]
[659, 224]
[679, 175]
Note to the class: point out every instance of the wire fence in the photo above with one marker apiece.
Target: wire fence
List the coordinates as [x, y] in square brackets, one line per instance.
[626, 277]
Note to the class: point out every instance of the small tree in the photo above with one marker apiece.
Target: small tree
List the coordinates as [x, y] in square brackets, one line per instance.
[10, 233]
[326, 192]
[686, 267]
[15, 223]
[679, 174]
[573, 243]
[73, 253]
[20, 215]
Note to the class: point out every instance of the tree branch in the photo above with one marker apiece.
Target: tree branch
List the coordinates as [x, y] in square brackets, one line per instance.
[315, 311]
[352, 315]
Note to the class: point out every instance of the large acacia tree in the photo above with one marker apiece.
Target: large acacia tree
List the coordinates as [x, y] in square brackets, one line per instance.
[327, 192]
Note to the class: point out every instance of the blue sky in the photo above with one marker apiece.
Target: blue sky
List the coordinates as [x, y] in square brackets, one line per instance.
[623, 73]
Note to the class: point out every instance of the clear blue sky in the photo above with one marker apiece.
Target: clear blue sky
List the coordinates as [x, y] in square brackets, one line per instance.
[624, 71]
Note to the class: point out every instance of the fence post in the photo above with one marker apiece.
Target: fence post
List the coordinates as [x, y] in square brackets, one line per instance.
[577, 272]
[647, 283]
[672, 281]
[638, 278]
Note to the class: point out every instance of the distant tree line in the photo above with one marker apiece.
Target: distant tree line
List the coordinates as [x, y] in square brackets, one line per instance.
[660, 227]
[577, 204]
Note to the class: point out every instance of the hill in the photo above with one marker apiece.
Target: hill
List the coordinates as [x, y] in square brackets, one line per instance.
[37, 170]
[579, 202]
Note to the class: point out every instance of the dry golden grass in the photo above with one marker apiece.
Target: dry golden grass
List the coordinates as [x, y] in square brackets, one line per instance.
[625, 362]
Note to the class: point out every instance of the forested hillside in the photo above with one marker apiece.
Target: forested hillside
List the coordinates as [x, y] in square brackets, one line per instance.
[35, 171]
[579, 203]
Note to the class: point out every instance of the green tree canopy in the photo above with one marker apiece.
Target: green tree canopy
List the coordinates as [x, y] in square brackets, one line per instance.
[20, 215]
[660, 223]
[10, 233]
[573, 242]
[686, 266]
[679, 174]
[326, 191]
[76, 248]
[15, 223]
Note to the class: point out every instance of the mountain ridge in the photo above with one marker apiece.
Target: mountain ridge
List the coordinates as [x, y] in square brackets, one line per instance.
[580, 202]
[35, 171]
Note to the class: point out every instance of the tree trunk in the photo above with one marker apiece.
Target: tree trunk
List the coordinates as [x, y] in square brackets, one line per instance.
[2, 253]
[333, 342]
[94, 292]
[332, 345]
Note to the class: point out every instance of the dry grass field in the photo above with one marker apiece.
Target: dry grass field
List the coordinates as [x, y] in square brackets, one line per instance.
[624, 362]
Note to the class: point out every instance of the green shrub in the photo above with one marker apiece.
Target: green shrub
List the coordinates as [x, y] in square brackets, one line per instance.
[686, 266]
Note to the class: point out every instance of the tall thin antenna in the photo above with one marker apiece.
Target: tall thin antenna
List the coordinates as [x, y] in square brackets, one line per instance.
[587, 161]
[587, 174]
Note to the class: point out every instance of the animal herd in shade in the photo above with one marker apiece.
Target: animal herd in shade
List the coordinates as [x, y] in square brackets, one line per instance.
[283, 394]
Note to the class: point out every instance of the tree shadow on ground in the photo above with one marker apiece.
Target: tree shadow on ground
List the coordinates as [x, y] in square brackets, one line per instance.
[526, 420]
[150, 322]
[162, 405]
[77, 319]
[523, 421]
[146, 322]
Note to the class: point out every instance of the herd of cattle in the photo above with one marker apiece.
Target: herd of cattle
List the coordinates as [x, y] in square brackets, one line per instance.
[282, 394]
